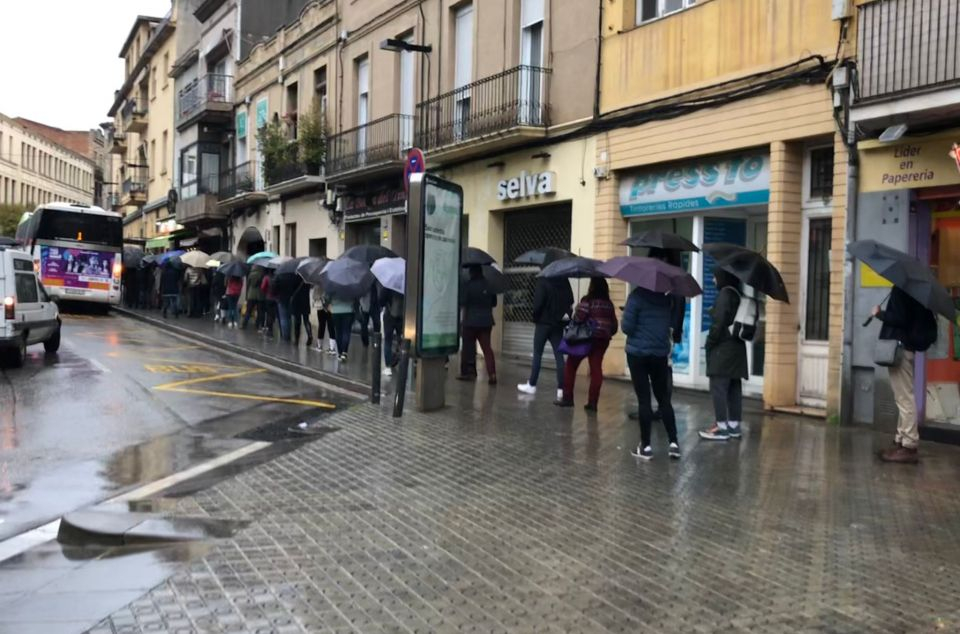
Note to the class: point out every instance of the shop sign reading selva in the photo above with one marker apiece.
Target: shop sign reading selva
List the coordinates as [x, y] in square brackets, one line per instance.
[732, 181]
[527, 186]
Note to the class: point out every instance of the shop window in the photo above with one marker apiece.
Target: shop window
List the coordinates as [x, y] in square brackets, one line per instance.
[821, 174]
[291, 116]
[290, 245]
[320, 88]
[648, 10]
[317, 247]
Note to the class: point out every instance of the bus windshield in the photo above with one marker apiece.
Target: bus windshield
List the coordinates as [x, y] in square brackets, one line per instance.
[56, 224]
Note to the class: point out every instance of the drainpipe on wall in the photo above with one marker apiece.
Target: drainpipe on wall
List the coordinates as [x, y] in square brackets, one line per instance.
[849, 278]
[596, 88]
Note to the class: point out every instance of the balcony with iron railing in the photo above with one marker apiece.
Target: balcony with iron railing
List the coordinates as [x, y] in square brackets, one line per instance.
[377, 146]
[208, 99]
[117, 143]
[198, 200]
[906, 46]
[134, 115]
[502, 109]
[133, 190]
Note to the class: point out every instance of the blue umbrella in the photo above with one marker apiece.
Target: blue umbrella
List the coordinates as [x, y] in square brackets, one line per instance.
[169, 254]
[259, 256]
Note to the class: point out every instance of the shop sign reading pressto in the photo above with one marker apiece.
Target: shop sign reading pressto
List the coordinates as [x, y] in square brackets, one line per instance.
[711, 183]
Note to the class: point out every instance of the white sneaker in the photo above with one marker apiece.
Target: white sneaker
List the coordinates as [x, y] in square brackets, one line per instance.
[560, 394]
[387, 372]
[526, 388]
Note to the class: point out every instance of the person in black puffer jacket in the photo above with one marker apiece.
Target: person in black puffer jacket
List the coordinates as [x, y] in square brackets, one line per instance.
[552, 302]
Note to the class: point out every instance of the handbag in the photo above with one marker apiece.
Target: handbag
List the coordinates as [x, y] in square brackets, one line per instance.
[887, 353]
[578, 332]
[581, 349]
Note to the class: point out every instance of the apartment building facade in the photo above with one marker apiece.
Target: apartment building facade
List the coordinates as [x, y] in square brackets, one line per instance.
[721, 128]
[905, 118]
[140, 135]
[35, 170]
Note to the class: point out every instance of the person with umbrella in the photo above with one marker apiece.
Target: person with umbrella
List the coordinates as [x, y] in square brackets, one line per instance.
[321, 304]
[477, 302]
[726, 360]
[598, 313]
[170, 288]
[369, 310]
[342, 311]
[909, 325]
[344, 280]
[552, 303]
[255, 298]
[300, 312]
[232, 292]
[194, 279]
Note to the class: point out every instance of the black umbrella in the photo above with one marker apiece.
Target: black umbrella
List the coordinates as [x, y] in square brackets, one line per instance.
[661, 240]
[544, 256]
[473, 256]
[652, 274]
[494, 276]
[289, 267]
[573, 267]
[148, 260]
[311, 269]
[346, 278]
[906, 273]
[749, 267]
[132, 256]
[234, 269]
[368, 253]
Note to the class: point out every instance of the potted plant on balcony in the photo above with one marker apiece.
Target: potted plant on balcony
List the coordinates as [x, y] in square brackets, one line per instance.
[313, 139]
[278, 154]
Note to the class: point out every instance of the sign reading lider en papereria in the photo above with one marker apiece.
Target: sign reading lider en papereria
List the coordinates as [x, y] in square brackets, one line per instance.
[731, 181]
[909, 164]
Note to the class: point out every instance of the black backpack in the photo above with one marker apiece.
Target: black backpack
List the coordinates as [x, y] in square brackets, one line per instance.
[922, 332]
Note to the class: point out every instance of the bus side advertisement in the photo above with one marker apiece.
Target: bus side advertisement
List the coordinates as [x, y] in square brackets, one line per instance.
[76, 268]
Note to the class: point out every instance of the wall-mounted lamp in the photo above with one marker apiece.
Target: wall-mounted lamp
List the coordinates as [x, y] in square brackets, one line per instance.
[397, 46]
[893, 133]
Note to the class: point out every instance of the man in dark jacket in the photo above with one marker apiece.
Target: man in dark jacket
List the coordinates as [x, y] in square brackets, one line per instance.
[552, 301]
[647, 320]
[254, 298]
[170, 289]
[477, 301]
[915, 327]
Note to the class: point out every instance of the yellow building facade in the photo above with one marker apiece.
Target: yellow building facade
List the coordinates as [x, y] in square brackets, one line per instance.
[721, 129]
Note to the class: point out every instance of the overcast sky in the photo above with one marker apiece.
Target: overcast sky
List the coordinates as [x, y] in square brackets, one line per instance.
[59, 59]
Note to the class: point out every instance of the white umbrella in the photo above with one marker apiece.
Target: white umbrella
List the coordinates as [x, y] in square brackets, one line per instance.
[276, 261]
[197, 259]
[391, 273]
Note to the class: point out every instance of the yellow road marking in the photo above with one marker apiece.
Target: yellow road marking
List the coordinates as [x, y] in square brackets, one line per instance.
[254, 397]
[194, 363]
[180, 386]
[188, 368]
[205, 379]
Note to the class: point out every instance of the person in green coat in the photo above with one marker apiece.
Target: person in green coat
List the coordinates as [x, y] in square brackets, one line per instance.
[726, 360]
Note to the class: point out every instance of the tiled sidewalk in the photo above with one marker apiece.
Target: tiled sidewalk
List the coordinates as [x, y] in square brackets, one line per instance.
[504, 513]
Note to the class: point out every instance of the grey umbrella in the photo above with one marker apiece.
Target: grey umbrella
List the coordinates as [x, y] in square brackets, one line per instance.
[234, 269]
[575, 267]
[311, 269]
[543, 256]
[906, 273]
[368, 253]
[346, 278]
[289, 267]
[472, 256]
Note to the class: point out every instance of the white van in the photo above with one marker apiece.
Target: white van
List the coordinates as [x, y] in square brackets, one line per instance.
[28, 315]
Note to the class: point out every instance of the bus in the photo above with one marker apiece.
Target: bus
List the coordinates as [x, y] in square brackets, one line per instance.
[76, 249]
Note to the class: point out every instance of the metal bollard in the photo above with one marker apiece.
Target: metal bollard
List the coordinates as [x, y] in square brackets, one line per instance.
[375, 368]
[402, 368]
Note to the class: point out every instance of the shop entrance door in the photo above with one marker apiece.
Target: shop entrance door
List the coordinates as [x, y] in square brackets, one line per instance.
[815, 311]
[938, 372]
[523, 231]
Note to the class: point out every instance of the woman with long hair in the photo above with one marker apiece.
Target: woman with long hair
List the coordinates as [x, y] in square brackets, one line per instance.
[596, 310]
[726, 360]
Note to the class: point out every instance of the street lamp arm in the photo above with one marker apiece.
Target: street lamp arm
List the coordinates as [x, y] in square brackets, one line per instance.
[397, 46]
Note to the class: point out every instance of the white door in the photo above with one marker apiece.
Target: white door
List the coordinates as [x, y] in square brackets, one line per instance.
[463, 70]
[407, 99]
[531, 59]
[815, 310]
[363, 107]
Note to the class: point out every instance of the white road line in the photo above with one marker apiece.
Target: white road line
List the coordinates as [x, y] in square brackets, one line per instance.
[99, 366]
[42, 534]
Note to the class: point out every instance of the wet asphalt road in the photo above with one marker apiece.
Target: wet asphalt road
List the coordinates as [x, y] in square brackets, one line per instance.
[123, 404]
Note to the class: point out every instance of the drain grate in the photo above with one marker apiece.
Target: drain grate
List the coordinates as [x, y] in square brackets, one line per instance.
[284, 430]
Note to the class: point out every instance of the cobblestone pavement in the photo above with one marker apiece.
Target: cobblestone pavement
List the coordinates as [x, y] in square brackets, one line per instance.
[504, 513]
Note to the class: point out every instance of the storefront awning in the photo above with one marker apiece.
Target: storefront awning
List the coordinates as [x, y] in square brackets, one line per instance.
[158, 243]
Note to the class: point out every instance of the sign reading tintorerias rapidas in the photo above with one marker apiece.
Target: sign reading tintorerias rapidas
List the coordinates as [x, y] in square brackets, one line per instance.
[732, 181]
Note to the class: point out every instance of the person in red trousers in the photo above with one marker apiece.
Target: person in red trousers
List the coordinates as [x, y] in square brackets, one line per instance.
[598, 311]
